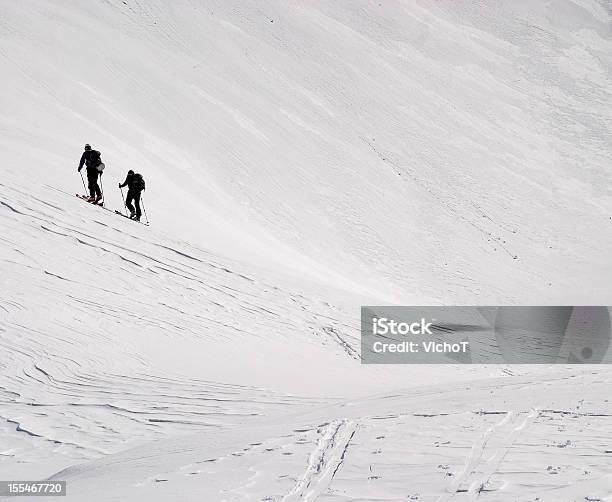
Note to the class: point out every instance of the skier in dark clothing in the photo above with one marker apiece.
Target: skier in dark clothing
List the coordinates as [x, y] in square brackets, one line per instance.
[91, 159]
[135, 183]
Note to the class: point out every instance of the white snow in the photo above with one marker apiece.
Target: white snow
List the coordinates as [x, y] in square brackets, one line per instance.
[302, 159]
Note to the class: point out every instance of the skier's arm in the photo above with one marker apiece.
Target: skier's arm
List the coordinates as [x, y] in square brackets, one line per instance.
[83, 157]
[125, 182]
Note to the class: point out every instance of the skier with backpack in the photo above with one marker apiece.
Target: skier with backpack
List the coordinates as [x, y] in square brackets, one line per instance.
[136, 184]
[93, 162]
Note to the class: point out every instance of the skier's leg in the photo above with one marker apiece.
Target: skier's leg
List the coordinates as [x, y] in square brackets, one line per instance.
[137, 203]
[97, 189]
[128, 202]
[91, 182]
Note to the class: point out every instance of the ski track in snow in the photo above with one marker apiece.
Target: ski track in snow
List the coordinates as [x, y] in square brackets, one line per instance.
[324, 461]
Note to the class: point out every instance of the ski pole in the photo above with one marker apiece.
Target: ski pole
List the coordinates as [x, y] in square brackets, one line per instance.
[84, 187]
[123, 199]
[144, 210]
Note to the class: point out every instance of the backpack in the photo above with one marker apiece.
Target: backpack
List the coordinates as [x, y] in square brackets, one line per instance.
[138, 182]
[94, 158]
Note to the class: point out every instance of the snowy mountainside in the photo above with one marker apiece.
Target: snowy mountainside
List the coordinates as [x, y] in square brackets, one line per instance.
[543, 437]
[431, 151]
[114, 334]
[302, 159]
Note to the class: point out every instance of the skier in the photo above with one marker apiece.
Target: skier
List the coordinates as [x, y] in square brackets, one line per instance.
[136, 184]
[91, 159]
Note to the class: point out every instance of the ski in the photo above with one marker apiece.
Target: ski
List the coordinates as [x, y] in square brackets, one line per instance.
[125, 216]
[101, 205]
[86, 199]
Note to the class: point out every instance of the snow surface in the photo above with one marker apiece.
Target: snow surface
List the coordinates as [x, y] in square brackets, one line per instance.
[302, 159]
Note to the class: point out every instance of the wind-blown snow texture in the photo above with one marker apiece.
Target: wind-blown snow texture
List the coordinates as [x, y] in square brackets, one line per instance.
[302, 159]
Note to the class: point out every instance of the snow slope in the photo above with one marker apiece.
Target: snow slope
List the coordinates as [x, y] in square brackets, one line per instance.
[302, 159]
[114, 333]
[408, 148]
[544, 438]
